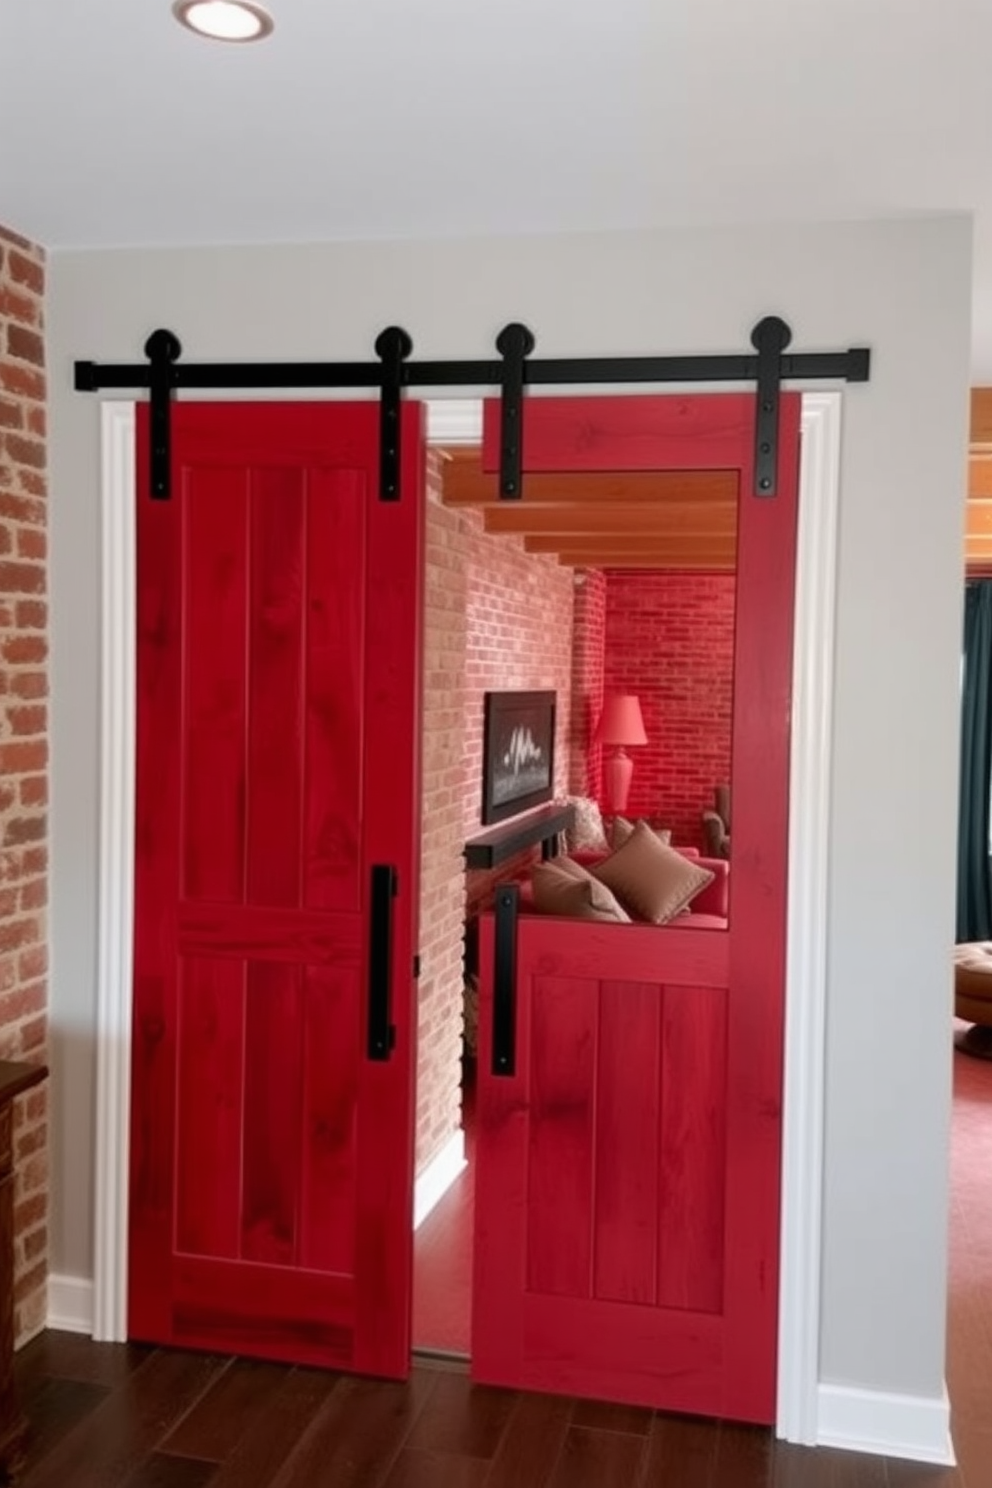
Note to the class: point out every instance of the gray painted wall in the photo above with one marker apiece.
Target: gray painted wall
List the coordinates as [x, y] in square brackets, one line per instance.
[901, 287]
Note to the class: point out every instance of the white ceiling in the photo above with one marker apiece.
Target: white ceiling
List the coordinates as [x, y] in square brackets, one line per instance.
[428, 118]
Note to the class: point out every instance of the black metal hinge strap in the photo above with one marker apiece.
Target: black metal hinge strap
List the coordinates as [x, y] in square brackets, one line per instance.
[505, 981]
[381, 1033]
[392, 346]
[770, 337]
[514, 344]
[162, 349]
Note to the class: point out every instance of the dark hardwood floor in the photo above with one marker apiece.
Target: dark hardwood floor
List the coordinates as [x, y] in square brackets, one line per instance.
[124, 1416]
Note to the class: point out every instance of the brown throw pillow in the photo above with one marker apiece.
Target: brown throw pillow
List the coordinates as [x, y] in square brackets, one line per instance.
[622, 829]
[562, 887]
[653, 882]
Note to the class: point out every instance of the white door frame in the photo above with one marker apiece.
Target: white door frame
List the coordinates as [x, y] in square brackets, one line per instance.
[458, 421]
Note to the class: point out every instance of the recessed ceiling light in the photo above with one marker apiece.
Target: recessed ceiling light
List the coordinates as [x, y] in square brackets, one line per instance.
[224, 20]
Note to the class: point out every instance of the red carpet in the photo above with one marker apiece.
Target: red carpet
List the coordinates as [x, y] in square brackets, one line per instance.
[442, 1260]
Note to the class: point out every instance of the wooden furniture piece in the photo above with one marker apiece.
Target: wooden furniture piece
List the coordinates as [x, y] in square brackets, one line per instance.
[973, 996]
[14, 1080]
[490, 848]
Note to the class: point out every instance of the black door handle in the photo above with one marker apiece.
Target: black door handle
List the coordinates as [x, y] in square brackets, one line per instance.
[505, 981]
[381, 1033]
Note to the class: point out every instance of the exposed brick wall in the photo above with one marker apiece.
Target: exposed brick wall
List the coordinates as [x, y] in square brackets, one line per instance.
[495, 617]
[24, 750]
[588, 655]
[670, 639]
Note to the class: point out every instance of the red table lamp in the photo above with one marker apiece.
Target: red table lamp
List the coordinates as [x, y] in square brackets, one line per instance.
[620, 725]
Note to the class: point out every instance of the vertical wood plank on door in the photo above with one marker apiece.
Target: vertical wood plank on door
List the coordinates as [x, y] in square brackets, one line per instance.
[215, 539]
[273, 1112]
[692, 1149]
[391, 691]
[759, 889]
[332, 1049]
[627, 1081]
[564, 1018]
[208, 1137]
[157, 811]
[335, 667]
[276, 671]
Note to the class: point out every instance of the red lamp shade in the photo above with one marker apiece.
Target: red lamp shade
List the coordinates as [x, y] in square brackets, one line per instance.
[620, 721]
[620, 724]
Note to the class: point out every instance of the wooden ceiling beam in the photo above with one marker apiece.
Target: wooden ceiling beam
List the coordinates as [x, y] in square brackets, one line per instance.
[978, 518]
[464, 483]
[672, 519]
[607, 558]
[608, 553]
[981, 416]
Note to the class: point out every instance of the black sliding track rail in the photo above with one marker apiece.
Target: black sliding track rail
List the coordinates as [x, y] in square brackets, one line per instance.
[767, 367]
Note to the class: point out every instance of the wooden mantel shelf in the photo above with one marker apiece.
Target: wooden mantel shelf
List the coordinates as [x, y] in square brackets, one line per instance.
[15, 1078]
[497, 844]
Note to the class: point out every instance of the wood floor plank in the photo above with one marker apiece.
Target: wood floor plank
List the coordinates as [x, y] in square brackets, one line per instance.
[280, 1429]
[357, 1437]
[532, 1442]
[115, 1438]
[434, 1469]
[744, 1456]
[682, 1451]
[73, 1356]
[463, 1419]
[599, 1459]
[600, 1415]
[826, 1467]
[56, 1407]
[215, 1425]
[900, 1474]
[160, 1471]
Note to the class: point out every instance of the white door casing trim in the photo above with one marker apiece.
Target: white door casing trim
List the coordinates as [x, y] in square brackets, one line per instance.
[806, 953]
[451, 421]
[115, 870]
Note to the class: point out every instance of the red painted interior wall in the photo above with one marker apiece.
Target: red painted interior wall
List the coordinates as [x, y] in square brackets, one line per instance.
[669, 638]
[589, 630]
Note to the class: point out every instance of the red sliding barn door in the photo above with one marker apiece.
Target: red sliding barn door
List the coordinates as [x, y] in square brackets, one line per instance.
[627, 1191]
[277, 837]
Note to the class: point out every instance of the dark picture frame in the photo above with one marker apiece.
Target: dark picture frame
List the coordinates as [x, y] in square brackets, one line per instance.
[518, 752]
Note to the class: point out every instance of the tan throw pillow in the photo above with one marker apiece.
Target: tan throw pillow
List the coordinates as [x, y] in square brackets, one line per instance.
[653, 882]
[587, 833]
[623, 828]
[570, 890]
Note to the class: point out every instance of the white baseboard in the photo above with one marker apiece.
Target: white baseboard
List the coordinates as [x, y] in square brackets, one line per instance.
[438, 1176]
[915, 1427]
[70, 1304]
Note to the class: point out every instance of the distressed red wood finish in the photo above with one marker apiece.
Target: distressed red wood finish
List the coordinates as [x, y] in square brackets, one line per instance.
[627, 1188]
[278, 760]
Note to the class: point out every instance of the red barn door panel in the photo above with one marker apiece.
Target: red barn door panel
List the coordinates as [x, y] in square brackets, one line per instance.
[278, 763]
[628, 1172]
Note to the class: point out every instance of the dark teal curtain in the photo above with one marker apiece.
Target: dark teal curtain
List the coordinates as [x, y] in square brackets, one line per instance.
[974, 888]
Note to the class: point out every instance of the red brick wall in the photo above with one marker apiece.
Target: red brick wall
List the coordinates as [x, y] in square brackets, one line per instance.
[24, 749]
[588, 656]
[495, 617]
[670, 639]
